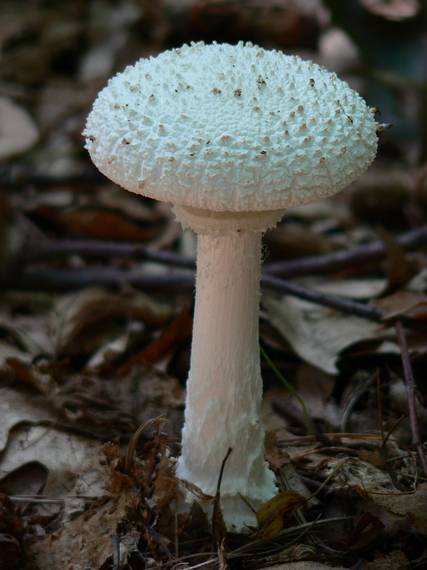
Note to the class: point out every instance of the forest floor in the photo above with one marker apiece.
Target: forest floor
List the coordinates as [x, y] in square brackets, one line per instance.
[96, 300]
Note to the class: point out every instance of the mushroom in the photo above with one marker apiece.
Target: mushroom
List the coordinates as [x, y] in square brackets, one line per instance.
[232, 136]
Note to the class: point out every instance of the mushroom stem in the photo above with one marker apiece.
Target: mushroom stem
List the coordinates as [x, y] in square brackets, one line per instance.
[224, 387]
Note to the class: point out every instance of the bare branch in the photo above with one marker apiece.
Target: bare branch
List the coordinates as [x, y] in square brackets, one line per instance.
[410, 394]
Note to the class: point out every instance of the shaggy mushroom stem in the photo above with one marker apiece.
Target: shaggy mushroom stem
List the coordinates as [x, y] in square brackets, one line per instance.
[224, 388]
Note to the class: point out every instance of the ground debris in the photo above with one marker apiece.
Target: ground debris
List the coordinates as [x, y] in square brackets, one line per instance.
[88, 379]
[11, 533]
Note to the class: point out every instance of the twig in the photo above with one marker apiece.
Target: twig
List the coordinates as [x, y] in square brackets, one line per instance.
[99, 249]
[133, 442]
[327, 300]
[308, 265]
[71, 279]
[309, 426]
[218, 525]
[333, 261]
[410, 393]
[62, 280]
[287, 532]
[221, 472]
[47, 500]
[116, 551]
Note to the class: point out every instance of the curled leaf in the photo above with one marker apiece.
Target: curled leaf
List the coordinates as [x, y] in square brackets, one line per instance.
[270, 514]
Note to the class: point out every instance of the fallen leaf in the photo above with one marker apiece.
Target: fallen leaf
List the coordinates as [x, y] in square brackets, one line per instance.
[18, 131]
[307, 565]
[18, 407]
[317, 334]
[394, 10]
[399, 266]
[361, 289]
[270, 514]
[98, 223]
[337, 50]
[11, 532]
[178, 331]
[410, 304]
[28, 480]
[404, 505]
[395, 560]
[83, 322]
[418, 283]
[87, 541]
[72, 462]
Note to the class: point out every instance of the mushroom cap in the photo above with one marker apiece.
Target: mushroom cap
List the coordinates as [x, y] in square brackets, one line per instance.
[230, 128]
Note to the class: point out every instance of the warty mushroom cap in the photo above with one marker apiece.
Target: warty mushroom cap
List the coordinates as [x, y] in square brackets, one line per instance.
[230, 128]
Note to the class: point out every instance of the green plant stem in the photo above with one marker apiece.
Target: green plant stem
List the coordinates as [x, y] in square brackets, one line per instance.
[308, 422]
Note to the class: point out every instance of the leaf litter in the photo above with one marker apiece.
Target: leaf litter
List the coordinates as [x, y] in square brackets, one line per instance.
[87, 378]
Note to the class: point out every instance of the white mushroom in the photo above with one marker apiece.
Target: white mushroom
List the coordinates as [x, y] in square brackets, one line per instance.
[232, 136]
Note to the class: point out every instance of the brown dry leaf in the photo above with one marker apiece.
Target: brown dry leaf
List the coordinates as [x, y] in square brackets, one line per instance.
[337, 51]
[147, 393]
[110, 408]
[317, 334]
[352, 472]
[165, 484]
[18, 407]
[18, 131]
[129, 205]
[395, 10]
[395, 560]
[223, 563]
[404, 303]
[276, 456]
[270, 514]
[418, 284]
[380, 196]
[11, 531]
[284, 24]
[98, 223]
[400, 268]
[361, 289]
[24, 338]
[412, 506]
[296, 241]
[72, 462]
[178, 331]
[87, 541]
[86, 320]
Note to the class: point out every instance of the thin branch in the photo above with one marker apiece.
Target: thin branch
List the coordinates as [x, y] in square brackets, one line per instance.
[336, 260]
[72, 279]
[116, 551]
[218, 525]
[308, 265]
[98, 249]
[134, 440]
[63, 280]
[337, 302]
[410, 394]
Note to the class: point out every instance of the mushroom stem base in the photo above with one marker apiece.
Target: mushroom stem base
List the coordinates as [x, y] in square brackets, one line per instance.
[224, 388]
